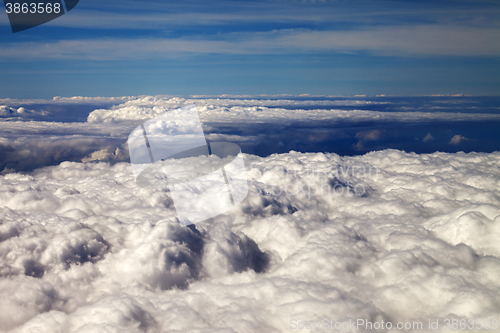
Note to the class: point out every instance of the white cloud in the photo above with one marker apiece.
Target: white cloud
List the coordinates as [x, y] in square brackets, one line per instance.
[387, 236]
[418, 40]
[457, 139]
[84, 249]
[16, 113]
[67, 100]
[26, 145]
[238, 110]
[428, 138]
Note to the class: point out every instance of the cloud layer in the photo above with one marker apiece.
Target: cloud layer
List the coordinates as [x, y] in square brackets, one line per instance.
[65, 129]
[387, 41]
[387, 236]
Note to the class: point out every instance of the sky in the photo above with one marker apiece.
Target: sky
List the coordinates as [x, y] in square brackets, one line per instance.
[119, 48]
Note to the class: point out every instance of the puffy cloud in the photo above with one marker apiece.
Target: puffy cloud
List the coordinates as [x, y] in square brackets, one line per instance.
[389, 235]
[25, 297]
[21, 112]
[428, 138]
[457, 139]
[26, 145]
[28, 153]
[282, 111]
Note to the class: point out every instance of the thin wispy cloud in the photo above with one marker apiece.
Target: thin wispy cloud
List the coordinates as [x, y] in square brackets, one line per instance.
[408, 41]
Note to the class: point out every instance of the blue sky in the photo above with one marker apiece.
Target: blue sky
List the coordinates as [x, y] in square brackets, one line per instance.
[115, 48]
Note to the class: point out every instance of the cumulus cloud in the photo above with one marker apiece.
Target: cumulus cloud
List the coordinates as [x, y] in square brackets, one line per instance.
[389, 235]
[428, 138]
[8, 112]
[457, 139]
[305, 123]
[237, 110]
[26, 154]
